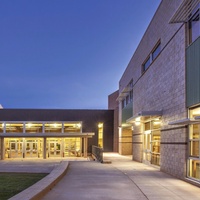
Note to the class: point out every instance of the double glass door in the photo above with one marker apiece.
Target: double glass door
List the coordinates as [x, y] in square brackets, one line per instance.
[15, 149]
[32, 148]
[54, 148]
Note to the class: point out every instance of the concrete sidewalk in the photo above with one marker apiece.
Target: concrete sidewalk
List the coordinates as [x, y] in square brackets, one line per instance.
[124, 179]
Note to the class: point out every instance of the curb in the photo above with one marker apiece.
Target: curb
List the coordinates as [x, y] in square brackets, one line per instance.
[39, 189]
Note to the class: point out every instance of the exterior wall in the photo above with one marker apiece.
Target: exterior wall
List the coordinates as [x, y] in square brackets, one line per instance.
[89, 118]
[125, 141]
[161, 87]
[113, 105]
[137, 143]
[174, 151]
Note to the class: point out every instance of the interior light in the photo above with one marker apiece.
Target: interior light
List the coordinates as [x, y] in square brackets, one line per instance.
[137, 119]
[156, 122]
[29, 125]
[55, 125]
[79, 125]
[147, 132]
[100, 125]
[137, 123]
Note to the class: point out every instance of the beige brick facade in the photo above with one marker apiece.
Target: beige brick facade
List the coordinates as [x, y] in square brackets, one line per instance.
[160, 88]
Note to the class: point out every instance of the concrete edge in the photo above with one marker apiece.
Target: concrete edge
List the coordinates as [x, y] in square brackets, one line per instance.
[39, 189]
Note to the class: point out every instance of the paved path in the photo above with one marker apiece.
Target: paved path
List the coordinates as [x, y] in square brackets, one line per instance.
[122, 180]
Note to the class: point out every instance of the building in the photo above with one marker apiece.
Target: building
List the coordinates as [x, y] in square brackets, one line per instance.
[45, 133]
[159, 93]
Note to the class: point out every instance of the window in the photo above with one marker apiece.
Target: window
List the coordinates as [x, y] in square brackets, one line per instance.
[156, 52]
[151, 57]
[194, 147]
[194, 25]
[100, 135]
[146, 64]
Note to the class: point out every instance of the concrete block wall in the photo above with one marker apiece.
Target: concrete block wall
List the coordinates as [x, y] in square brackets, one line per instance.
[161, 86]
[174, 152]
[125, 142]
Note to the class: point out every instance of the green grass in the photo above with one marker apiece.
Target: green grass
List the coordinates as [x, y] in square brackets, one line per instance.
[13, 183]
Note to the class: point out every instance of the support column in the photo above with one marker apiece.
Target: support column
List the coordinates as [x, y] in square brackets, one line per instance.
[2, 149]
[44, 148]
[85, 147]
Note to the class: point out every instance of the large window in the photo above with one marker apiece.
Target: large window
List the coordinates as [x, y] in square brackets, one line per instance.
[151, 57]
[194, 148]
[194, 25]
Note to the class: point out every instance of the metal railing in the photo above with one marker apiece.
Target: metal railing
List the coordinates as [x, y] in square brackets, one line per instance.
[97, 152]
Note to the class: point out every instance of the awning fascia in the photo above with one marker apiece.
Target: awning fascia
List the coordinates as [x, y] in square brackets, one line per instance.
[184, 11]
[57, 135]
[153, 113]
[185, 121]
[124, 93]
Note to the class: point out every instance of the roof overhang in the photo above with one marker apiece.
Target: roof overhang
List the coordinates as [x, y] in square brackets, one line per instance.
[184, 11]
[185, 121]
[124, 93]
[57, 135]
[152, 113]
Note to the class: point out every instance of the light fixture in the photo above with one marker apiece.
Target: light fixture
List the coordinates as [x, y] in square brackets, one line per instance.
[147, 132]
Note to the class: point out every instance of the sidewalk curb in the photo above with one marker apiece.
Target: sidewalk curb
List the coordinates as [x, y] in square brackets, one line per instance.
[39, 189]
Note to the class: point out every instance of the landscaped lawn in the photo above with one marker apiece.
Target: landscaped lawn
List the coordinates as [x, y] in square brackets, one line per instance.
[13, 183]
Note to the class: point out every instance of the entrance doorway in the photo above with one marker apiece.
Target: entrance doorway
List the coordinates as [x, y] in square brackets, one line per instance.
[33, 148]
[54, 148]
[151, 142]
[15, 149]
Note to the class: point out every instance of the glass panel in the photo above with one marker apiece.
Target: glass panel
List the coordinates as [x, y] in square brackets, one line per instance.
[1, 127]
[147, 126]
[146, 64]
[72, 127]
[72, 147]
[194, 131]
[156, 52]
[194, 148]
[53, 128]
[194, 169]
[100, 135]
[156, 124]
[14, 128]
[33, 127]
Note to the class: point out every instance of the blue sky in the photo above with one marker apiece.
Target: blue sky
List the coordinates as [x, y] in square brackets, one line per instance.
[67, 54]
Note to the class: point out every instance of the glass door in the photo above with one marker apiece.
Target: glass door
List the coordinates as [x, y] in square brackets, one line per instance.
[31, 148]
[54, 148]
[15, 149]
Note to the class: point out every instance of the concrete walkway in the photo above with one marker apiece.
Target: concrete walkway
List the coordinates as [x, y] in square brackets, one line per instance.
[122, 180]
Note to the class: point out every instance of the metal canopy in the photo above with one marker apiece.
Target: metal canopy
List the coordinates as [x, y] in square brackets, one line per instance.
[152, 113]
[185, 121]
[184, 11]
[123, 93]
[56, 135]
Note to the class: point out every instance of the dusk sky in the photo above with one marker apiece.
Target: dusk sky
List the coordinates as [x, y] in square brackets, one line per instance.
[67, 54]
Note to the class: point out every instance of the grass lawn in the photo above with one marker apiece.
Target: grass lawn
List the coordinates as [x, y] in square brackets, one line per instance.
[13, 183]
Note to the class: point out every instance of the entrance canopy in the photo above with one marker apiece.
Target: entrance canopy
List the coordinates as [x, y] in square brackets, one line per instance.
[57, 135]
[184, 11]
[185, 121]
[152, 113]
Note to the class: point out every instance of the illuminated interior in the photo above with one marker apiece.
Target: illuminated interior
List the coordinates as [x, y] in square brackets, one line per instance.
[32, 146]
[100, 135]
[151, 143]
[194, 142]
